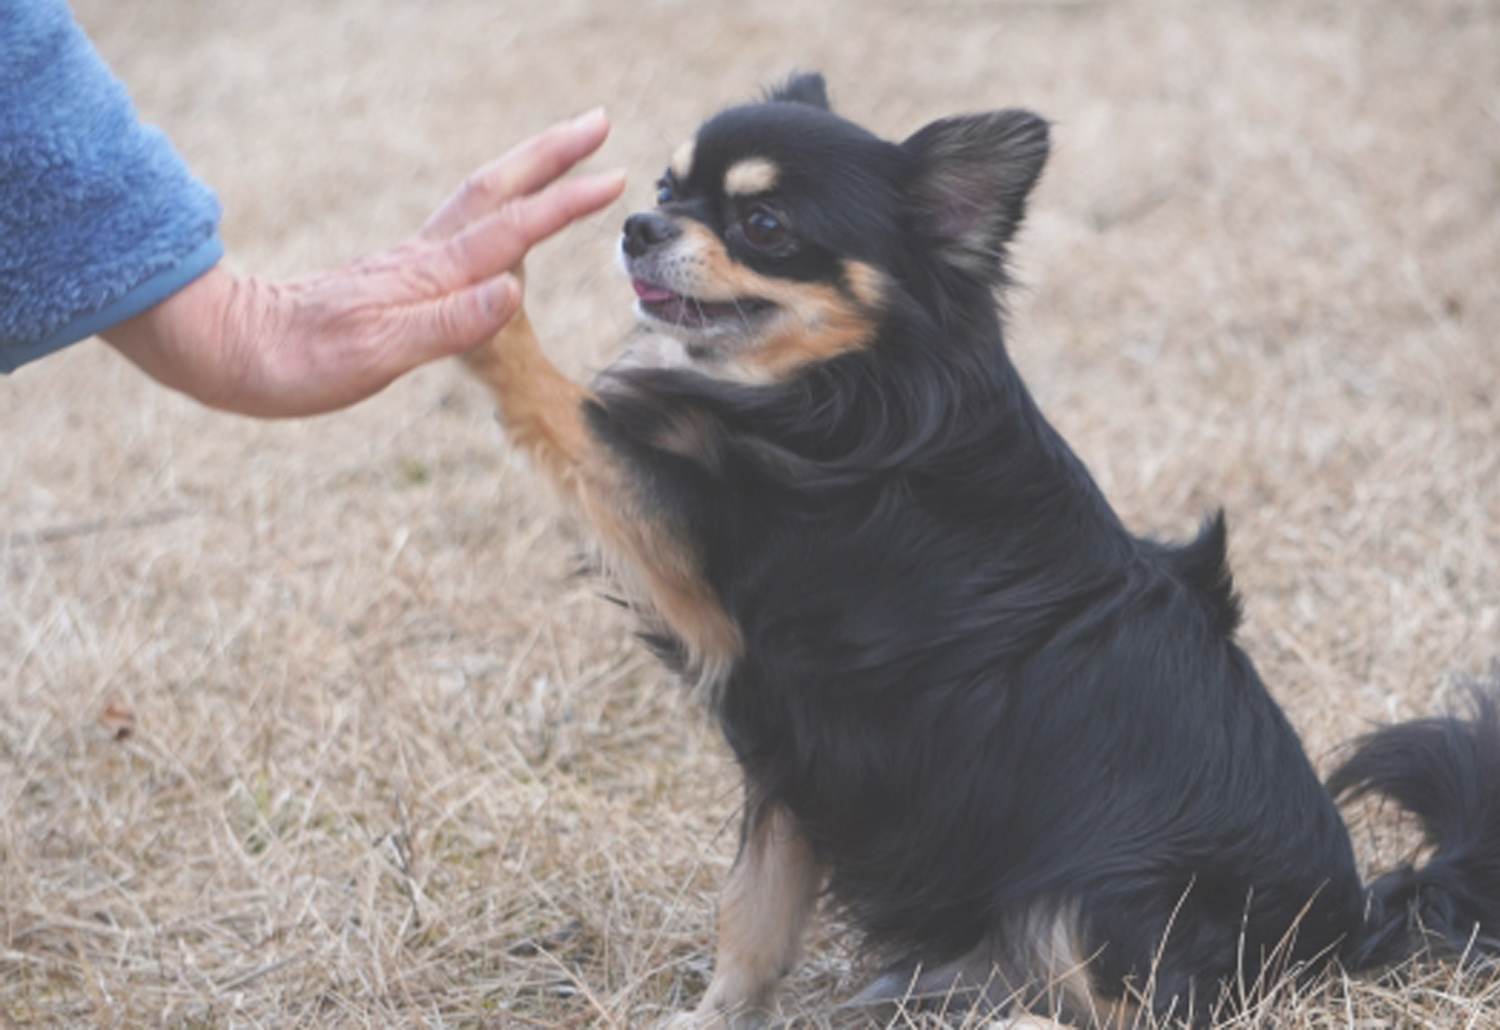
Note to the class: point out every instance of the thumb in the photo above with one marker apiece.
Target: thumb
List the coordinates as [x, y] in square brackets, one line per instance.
[464, 318]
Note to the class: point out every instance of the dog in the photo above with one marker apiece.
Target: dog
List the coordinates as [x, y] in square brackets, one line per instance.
[1014, 745]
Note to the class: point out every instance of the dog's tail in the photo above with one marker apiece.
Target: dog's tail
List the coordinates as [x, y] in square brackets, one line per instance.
[1446, 772]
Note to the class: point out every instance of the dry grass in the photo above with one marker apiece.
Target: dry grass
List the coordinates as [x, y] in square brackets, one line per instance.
[390, 765]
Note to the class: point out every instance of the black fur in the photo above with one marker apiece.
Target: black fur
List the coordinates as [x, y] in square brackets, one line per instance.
[1445, 772]
[981, 697]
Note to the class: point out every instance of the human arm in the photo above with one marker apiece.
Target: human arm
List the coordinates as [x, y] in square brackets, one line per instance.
[317, 343]
[99, 217]
[103, 230]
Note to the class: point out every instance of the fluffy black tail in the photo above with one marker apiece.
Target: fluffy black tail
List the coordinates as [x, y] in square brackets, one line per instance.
[1446, 772]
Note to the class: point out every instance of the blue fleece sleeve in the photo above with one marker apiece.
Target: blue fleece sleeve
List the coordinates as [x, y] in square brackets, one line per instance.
[99, 217]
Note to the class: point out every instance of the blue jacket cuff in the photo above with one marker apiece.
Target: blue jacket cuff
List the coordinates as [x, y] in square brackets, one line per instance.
[148, 294]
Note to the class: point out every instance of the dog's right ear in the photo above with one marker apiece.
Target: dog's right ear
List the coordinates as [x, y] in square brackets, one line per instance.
[974, 174]
[807, 88]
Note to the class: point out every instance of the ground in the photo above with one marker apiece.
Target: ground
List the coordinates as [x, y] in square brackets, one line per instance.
[311, 724]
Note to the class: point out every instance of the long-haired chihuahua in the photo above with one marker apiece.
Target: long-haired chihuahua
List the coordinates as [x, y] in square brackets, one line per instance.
[1016, 746]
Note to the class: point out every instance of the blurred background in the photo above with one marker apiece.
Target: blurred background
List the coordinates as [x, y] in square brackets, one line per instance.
[312, 724]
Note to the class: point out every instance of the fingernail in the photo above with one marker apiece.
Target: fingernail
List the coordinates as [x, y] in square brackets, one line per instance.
[589, 118]
[499, 295]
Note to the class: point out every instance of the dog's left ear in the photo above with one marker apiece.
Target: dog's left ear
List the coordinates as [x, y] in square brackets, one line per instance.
[975, 172]
[807, 88]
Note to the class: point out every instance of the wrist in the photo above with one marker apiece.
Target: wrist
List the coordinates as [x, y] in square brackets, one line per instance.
[189, 340]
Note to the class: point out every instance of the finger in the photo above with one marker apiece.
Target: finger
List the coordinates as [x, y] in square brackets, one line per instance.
[499, 241]
[524, 169]
[453, 323]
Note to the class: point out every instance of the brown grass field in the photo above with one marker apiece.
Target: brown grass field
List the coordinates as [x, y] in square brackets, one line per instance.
[389, 763]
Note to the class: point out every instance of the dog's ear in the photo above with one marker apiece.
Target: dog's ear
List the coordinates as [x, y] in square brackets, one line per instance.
[808, 88]
[974, 174]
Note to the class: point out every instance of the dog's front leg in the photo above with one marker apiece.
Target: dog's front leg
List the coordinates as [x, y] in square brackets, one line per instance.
[541, 408]
[763, 911]
[544, 412]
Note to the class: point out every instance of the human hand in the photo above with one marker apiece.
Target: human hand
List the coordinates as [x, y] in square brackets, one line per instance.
[321, 342]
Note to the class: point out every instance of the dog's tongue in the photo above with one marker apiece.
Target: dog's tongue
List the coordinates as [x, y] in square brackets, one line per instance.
[649, 293]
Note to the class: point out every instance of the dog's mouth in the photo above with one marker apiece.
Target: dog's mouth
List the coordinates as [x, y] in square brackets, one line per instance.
[677, 309]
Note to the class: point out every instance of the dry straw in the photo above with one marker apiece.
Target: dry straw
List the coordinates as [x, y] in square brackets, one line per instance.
[311, 725]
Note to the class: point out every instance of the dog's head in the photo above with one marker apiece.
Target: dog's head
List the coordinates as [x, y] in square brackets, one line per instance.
[784, 234]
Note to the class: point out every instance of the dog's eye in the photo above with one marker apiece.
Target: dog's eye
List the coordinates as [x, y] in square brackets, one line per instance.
[763, 229]
[664, 190]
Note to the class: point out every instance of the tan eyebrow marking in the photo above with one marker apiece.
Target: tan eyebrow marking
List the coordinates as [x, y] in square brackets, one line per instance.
[682, 160]
[750, 176]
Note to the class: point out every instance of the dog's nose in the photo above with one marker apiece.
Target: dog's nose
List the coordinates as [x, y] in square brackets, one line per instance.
[647, 230]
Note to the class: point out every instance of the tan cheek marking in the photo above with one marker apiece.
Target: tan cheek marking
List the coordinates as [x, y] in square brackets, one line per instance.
[682, 160]
[816, 322]
[818, 326]
[750, 176]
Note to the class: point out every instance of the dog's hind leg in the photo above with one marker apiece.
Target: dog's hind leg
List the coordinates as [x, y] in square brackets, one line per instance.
[763, 911]
[1033, 970]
